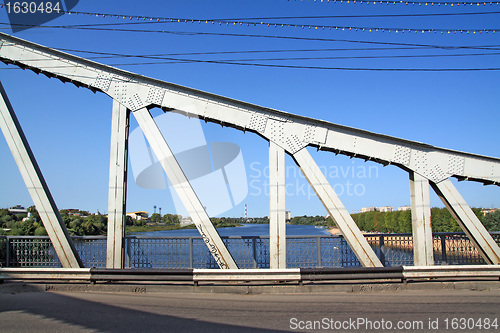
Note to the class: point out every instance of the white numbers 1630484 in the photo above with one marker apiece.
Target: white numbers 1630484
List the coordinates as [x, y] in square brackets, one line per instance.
[32, 7]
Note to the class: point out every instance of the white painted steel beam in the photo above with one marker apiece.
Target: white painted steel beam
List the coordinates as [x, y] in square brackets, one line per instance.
[291, 274]
[468, 221]
[38, 189]
[184, 189]
[277, 207]
[291, 132]
[423, 254]
[117, 197]
[457, 271]
[336, 209]
[37, 273]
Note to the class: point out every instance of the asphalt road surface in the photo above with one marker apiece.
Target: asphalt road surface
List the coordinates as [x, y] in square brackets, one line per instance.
[397, 311]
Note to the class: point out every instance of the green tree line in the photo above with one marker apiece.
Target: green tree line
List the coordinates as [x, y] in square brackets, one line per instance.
[78, 223]
[12, 224]
[400, 221]
[167, 219]
[312, 220]
[82, 223]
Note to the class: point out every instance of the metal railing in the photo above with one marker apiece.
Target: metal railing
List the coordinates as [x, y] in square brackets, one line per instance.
[248, 251]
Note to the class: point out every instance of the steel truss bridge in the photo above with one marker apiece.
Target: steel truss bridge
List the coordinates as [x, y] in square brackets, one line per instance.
[133, 94]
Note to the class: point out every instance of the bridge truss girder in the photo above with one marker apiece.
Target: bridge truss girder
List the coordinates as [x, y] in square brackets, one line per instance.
[117, 197]
[37, 187]
[286, 133]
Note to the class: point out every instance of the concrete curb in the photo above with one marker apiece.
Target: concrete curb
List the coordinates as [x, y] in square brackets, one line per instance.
[248, 289]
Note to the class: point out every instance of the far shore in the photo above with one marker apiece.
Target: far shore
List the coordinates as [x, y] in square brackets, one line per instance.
[335, 231]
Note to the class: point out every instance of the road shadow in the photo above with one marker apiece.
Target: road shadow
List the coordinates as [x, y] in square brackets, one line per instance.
[47, 311]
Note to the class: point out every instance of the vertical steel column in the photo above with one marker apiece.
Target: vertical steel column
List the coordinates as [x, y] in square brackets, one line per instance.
[184, 190]
[38, 189]
[117, 198]
[444, 257]
[468, 221]
[191, 260]
[277, 221]
[336, 209]
[129, 259]
[7, 249]
[381, 243]
[423, 251]
[254, 251]
[318, 250]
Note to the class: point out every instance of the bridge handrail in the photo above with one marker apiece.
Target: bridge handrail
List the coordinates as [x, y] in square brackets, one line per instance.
[303, 251]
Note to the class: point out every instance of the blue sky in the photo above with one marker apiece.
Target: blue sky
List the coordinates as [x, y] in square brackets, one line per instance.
[69, 128]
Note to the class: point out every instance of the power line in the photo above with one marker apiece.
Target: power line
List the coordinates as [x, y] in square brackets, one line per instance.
[162, 56]
[156, 20]
[321, 67]
[298, 25]
[356, 16]
[225, 62]
[263, 22]
[192, 33]
[250, 51]
[418, 3]
[311, 67]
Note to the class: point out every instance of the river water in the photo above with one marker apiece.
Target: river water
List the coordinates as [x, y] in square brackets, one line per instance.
[245, 230]
[172, 249]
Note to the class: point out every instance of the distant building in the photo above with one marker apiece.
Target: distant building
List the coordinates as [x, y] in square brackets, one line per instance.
[77, 212]
[185, 220]
[488, 211]
[368, 209]
[288, 215]
[18, 210]
[385, 209]
[404, 208]
[141, 215]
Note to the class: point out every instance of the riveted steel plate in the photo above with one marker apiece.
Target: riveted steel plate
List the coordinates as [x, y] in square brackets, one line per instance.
[276, 130]
[155, 96]
[456, 165]
[309, 133]
[436, 174]
[294, 143]
[402, 155]
[257, 123]
[420, 161]
[135, 102]
[103, 81]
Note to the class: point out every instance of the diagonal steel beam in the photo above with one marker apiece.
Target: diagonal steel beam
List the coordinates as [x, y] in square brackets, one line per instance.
[423, 251]
[290, 131]
[277, 218]
[184, 190]
[336, 209]
[38, 189]
[468, 221]
[117, 197]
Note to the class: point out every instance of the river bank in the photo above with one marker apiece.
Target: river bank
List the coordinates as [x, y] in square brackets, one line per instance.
[334, 231]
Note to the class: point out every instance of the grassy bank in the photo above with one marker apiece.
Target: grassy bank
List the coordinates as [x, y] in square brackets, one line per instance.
[149, 228]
